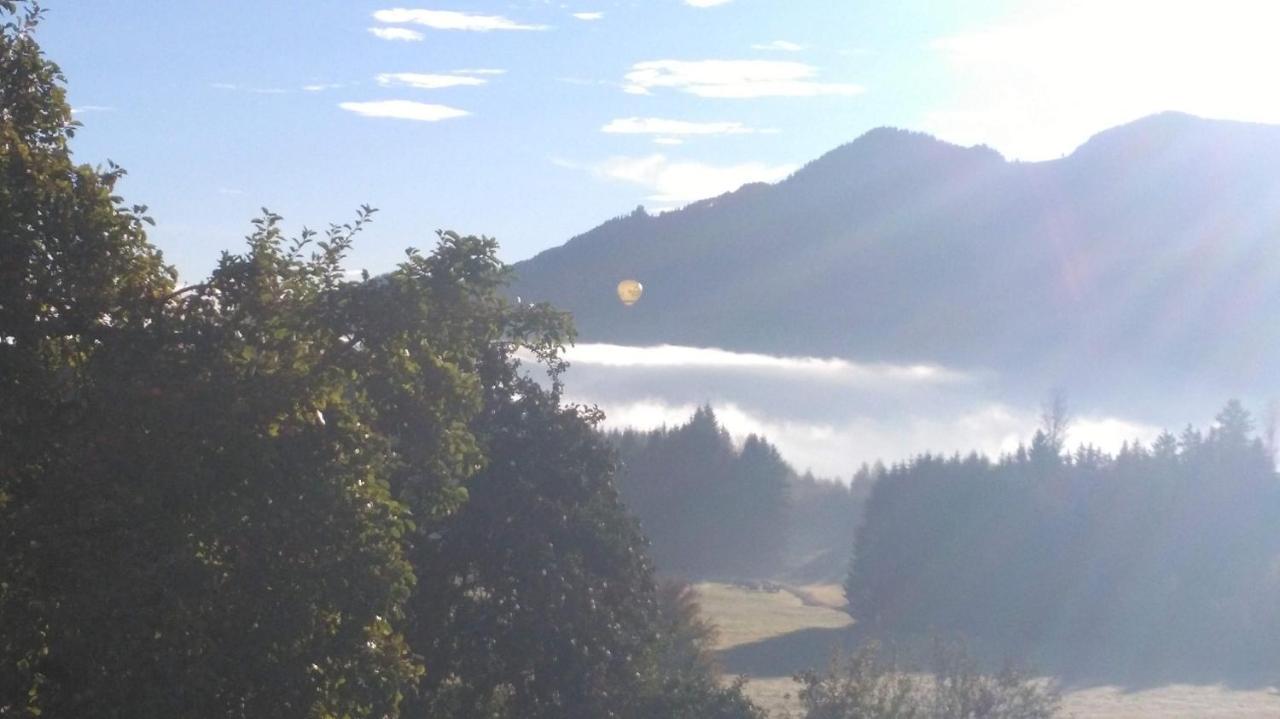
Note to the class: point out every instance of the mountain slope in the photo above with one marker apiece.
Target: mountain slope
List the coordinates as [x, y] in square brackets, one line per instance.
[1152, 248]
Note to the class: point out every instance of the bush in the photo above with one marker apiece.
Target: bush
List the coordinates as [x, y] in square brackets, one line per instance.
[869, 685]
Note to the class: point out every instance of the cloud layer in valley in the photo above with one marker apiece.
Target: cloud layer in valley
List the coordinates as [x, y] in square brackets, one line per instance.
[827, 414]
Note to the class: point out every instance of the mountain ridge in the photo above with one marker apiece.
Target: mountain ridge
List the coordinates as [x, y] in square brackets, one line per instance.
[1148, 248]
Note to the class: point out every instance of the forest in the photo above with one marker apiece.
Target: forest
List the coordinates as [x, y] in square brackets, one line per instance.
[1156, 561]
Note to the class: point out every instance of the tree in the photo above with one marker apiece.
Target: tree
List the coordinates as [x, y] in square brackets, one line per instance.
[75, 272]
[217, 536]
[537, 597]
[710, 508]
[685, 680]
[761, 479]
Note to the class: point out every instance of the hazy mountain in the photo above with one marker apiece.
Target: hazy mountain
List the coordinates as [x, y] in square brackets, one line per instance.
[1153, 248]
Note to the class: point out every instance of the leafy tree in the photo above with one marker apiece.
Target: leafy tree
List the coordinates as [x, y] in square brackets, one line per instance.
[685, 681]
[537, 599]
[217, 536]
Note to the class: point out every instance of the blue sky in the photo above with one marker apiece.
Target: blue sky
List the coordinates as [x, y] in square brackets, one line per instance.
[219, 108]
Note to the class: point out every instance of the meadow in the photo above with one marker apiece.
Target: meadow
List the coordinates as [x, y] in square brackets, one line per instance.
[768, 632]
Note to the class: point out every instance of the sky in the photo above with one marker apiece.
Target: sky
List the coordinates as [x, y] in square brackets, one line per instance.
[532, 121]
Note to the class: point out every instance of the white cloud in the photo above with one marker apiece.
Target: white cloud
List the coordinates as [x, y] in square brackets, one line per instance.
[779, 45]
[397, 33]
[589, 16]
[684, 182]
[426, 81]
[1038, 84]
[451, 20]
[90, 108]
[322, 86]
[668, 141]
[706, 3]
[660, 126]
[479, 71]
[813, 368]
[404, 110]
[733, 79]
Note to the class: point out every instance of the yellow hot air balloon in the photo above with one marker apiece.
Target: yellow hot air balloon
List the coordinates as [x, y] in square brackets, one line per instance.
[629, 292]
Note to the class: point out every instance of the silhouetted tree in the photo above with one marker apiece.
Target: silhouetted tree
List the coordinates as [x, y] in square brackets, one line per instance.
[708, 507]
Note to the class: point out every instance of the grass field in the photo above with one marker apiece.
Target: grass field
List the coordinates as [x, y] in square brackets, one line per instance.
[766, 636]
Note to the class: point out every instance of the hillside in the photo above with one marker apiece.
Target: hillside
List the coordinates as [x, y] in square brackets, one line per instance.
[1150, 249]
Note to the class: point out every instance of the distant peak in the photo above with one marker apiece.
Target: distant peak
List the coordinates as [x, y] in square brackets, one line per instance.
[1162, 129]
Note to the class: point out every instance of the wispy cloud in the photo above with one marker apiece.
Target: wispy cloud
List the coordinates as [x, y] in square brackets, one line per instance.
[706, 3]
[660, 126]
[230, 86]
[779, 45]
[81, 109]
[404, 110]
[451, 20]
[480, 71]
[322, 86]
[426, 81]
[668, 141]
[733, 79]
[589, 16]
[684, 182]
[397, 33]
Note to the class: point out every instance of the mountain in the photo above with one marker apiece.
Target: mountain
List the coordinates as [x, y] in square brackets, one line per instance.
[1153, 249]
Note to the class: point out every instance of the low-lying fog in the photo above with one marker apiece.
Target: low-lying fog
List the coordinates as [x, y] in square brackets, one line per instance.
[830, 414]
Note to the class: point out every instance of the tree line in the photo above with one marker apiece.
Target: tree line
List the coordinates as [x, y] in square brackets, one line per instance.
[281, 492]
[1152, 561]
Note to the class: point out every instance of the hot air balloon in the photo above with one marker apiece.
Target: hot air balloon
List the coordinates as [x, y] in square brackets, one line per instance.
[629, 292]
